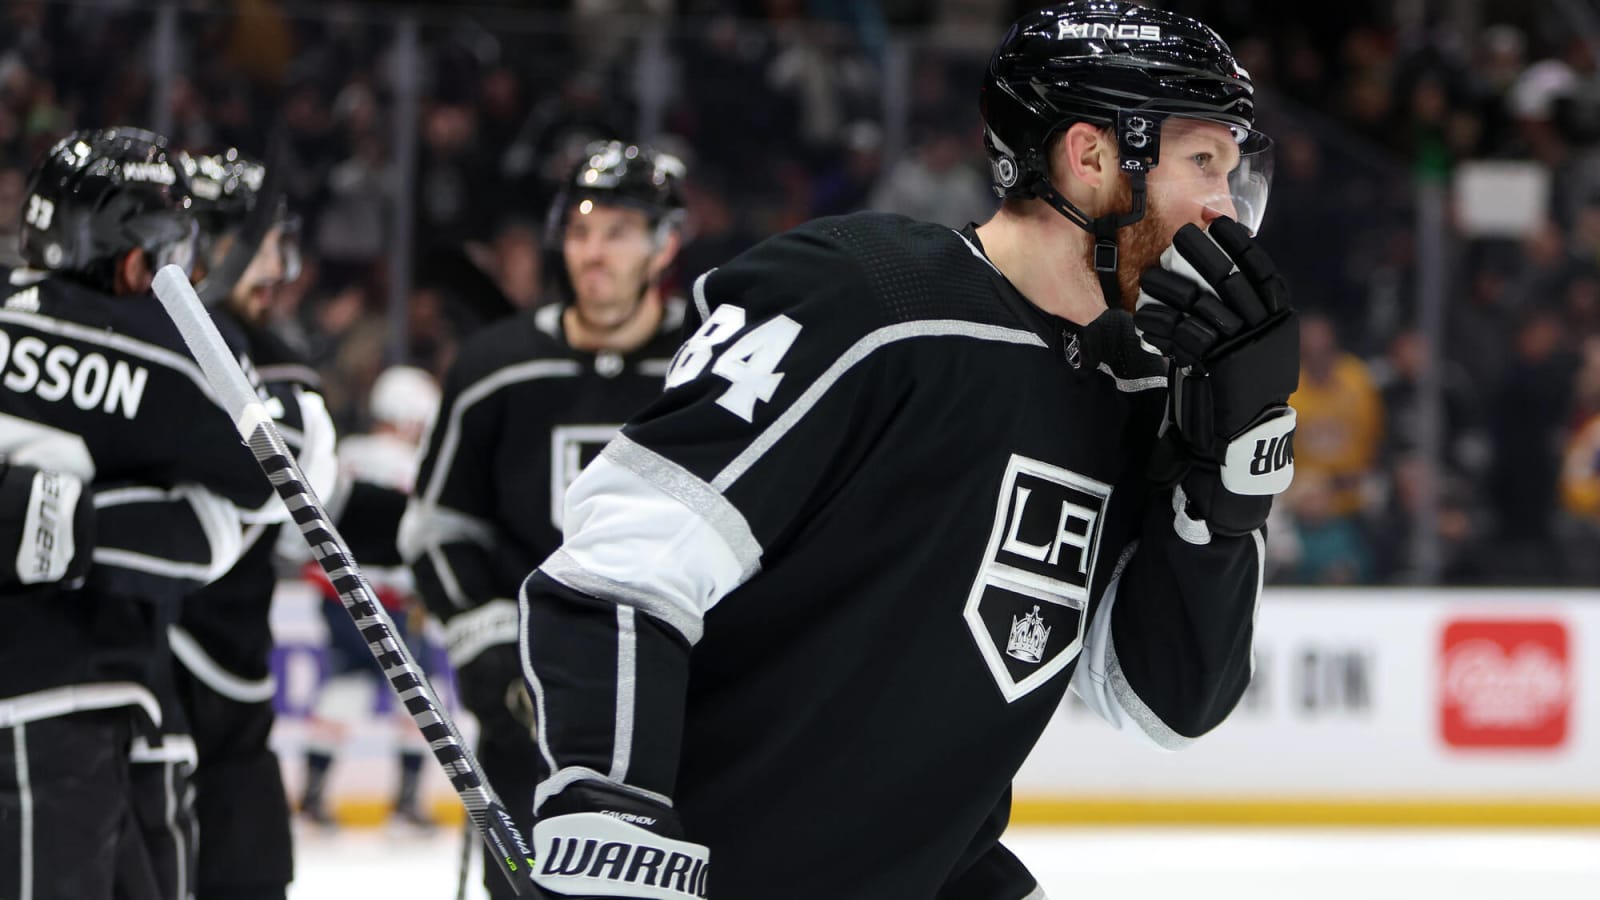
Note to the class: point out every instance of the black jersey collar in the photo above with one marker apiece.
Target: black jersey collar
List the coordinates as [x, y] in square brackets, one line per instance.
[1082, 347]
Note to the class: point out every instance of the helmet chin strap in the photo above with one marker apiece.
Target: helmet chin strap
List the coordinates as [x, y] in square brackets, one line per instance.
[1102, 228]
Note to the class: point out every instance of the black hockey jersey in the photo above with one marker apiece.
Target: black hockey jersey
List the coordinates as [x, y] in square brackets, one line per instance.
[104, 387]
[521, 414]
[223, 636]
[828, 590]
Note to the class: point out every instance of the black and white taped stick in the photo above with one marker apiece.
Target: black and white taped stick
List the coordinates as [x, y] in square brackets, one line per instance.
[266, 444]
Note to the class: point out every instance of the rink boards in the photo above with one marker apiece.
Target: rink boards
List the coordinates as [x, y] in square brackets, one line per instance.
[1405, 707]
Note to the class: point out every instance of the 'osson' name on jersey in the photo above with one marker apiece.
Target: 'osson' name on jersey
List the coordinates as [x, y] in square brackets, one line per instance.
[61, 372]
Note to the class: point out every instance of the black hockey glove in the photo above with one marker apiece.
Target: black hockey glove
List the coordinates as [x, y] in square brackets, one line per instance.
[482, 646]
[595, 840]
[1219, 309]
[46, 529]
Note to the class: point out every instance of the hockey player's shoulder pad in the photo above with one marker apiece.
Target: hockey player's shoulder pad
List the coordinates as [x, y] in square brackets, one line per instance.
[859, 273]
[521, 338]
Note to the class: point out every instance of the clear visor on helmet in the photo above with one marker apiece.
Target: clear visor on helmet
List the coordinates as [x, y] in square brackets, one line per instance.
[289, 247]
[167, 239]
[1209, 167]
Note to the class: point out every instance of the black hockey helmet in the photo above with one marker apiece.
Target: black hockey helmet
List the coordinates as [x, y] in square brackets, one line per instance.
[100, 193]
[614, 173]
[1119, 66]
[227, 187]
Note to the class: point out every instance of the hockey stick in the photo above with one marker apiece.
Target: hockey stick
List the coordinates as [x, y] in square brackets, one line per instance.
[266, 444]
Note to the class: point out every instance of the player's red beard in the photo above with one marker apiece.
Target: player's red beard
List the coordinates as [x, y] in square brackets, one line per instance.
[1139, 246]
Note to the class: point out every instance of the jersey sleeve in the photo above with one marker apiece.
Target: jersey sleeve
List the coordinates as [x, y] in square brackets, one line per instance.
[763, 408]
[1168, 654]
[207, 450]
[162, 543]
[448, 534]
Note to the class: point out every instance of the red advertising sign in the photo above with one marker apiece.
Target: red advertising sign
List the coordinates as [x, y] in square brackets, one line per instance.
[1505, 683]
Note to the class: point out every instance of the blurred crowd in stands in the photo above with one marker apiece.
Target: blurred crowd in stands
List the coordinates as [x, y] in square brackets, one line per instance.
[790, 109]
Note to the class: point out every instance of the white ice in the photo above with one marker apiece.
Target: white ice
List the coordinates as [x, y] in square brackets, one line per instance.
[1121, 863]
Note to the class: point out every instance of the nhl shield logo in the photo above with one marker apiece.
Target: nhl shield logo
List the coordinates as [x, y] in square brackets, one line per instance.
[1026, 610]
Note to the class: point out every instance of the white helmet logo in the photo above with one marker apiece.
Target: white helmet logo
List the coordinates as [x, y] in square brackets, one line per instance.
[1006, 170]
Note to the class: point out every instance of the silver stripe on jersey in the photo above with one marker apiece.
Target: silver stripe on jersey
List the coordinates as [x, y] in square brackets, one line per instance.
[536, 688]
[978, 253]
[48, 704]
[153, 565]
[180, 846]
[858, 352]
[211, 673]
[467, 635]
[1136, 710]
[1099, 679]
[655, 368]
[700, 305]
[1190, 530]
[700, 498]
[19, 738]
[427, 527]
[1134, 385]
[627, 683]
[1105, 684]
[563, 568]
[132, 346]
[293, 372]
[572, 775]
[217, 519]
[483, 387]
[1260, 538]
[447, 578]
[1036, 894]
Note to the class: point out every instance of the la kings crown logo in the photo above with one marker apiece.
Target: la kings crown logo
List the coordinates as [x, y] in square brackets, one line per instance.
[1027, 604]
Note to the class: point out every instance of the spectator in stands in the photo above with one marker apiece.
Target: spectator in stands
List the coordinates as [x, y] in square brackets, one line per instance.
[1340, 426]
[1529, 421]
[936, 182]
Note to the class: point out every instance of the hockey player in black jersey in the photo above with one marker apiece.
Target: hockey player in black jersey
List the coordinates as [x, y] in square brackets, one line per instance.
[906, 485]
[96, 384]
[222, 642]
[528, 403]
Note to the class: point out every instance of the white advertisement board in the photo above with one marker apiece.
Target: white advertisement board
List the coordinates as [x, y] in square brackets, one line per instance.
[1386, 704]
[1376, 697]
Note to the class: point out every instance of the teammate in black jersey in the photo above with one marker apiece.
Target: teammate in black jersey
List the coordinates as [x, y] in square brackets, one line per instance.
[96, 383]
[528, 403]
[222, 643]
[906, 485]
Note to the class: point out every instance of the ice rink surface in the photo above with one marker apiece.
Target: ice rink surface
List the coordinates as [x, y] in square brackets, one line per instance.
[1120, 863]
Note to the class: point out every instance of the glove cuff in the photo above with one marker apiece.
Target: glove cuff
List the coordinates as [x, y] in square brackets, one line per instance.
[469, 633]
[1259, 461]
[615, 844]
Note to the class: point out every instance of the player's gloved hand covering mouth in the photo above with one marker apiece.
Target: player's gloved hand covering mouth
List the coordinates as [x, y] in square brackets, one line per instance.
[1219, 309]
